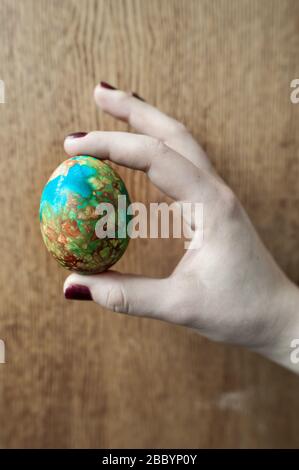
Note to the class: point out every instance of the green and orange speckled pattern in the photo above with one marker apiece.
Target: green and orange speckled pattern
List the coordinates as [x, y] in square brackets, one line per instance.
[68, 214]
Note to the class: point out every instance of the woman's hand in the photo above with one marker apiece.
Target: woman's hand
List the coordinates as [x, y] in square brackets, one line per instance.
[230, 289]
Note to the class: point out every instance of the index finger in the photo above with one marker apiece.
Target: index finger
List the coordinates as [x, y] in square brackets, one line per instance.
[169, 171]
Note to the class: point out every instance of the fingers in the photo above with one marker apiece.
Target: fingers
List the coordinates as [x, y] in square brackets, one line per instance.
[122, 293]
[169, 171]
[147, 119]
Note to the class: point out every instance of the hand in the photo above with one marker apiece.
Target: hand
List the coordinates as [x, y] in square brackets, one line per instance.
[230, 289]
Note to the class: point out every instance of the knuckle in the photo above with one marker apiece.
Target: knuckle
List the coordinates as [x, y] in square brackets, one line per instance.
[229, 200]
[179, 129]
[156, 146]
[116, 299]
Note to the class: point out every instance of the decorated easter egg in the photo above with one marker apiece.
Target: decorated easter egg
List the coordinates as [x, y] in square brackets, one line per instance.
[83, 215]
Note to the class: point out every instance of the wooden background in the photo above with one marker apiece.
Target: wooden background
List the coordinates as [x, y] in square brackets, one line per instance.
[78, 376]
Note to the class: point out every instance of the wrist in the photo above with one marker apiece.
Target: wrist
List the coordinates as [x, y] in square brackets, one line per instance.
[285, 327]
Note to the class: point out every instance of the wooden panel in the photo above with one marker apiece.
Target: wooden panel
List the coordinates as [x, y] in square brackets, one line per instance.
[79, 376]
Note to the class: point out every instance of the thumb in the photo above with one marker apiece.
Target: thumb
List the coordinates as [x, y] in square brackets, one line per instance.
[123, 293]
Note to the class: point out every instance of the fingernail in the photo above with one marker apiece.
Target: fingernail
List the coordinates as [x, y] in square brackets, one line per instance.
[108, 86]
[137, 96]
[77, 292]
[76, 135]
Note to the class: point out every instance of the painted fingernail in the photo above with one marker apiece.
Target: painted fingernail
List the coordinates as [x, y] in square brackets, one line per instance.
[108, 86]
[77, 292]
[76, 135]
[137, 96]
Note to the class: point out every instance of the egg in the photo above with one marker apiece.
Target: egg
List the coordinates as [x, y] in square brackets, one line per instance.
[73, 205]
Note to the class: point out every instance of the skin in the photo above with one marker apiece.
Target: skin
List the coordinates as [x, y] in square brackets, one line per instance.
[230, 289]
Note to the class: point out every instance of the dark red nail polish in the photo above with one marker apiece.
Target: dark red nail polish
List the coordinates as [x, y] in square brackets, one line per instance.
[76, 135]
[77, 292]
[108, 86]
[137, 96]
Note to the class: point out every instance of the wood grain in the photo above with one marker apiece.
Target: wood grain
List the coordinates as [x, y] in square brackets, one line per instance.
[79, 376]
